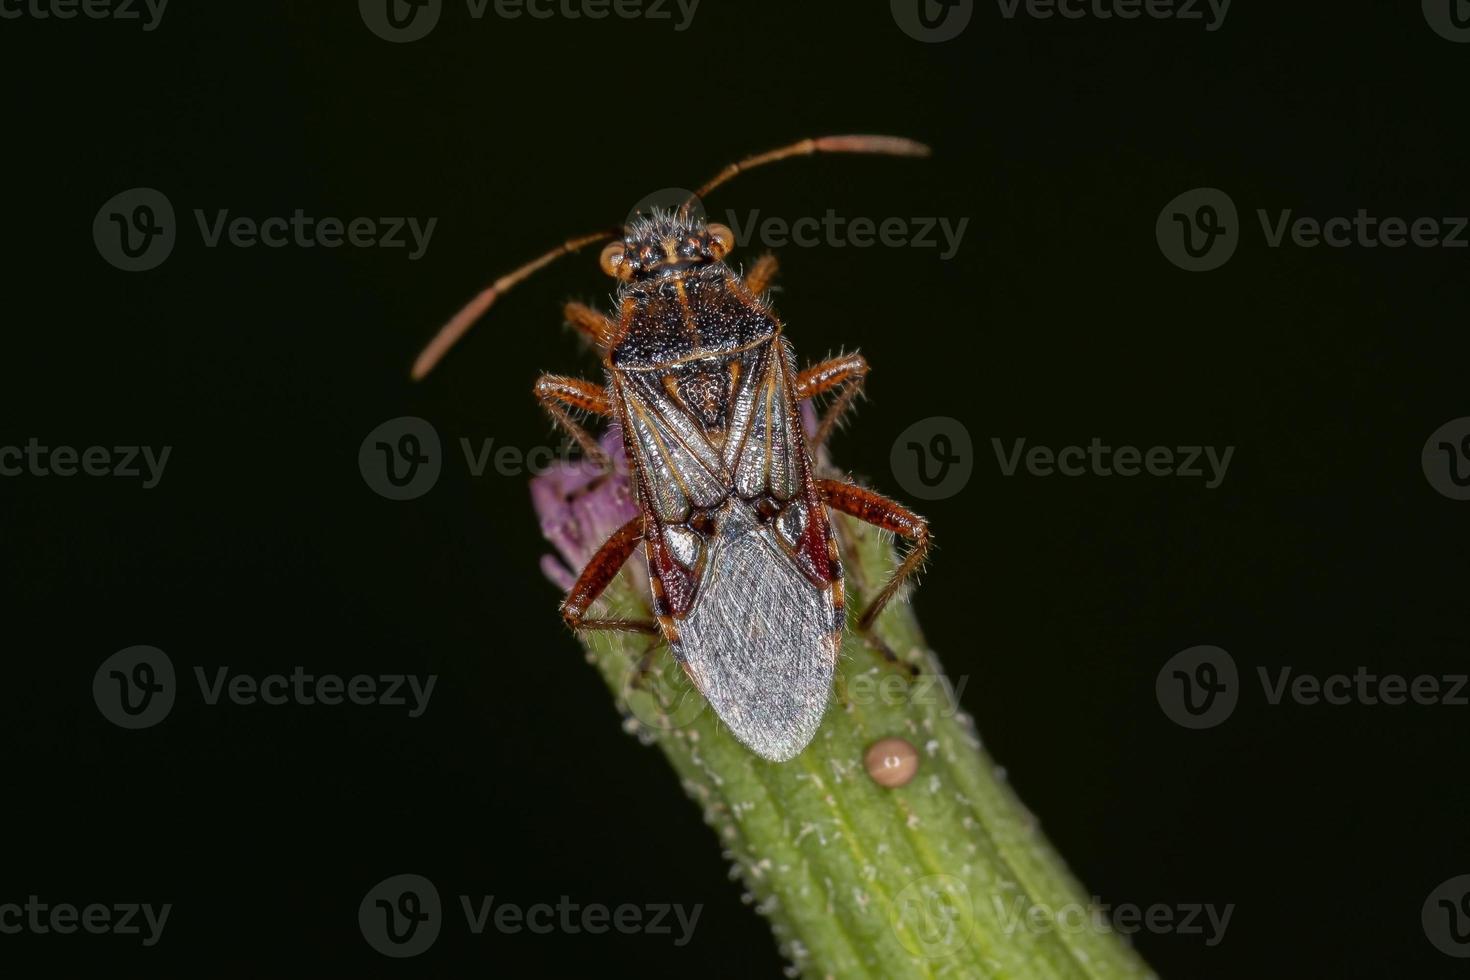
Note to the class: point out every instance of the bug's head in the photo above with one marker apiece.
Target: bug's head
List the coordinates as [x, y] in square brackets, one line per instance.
[665, 244]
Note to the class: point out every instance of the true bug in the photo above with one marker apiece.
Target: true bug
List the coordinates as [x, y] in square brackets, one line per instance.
[745, 572]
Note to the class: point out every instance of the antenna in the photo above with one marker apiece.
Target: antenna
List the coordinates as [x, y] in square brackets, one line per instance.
[461, 322]
[475, 308]
[896, 146]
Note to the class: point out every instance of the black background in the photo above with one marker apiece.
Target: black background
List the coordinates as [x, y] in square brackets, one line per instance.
[1056, 600]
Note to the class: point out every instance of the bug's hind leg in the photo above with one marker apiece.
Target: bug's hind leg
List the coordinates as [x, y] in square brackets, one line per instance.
[598, 575]
[846, 372]
[877, 510]
[557, 394]
[643, 669]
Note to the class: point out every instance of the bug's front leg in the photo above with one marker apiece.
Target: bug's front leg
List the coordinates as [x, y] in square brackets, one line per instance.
[877, 510]
[556, 394]
[759, 278]
[588, 322]
[598, 575]
[845, 372]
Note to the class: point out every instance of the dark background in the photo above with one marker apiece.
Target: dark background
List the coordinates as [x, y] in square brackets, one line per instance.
[1058, 600]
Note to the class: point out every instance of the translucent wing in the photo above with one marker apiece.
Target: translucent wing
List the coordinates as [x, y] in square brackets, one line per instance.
[681, 466]
[761, 639]
[766, 434]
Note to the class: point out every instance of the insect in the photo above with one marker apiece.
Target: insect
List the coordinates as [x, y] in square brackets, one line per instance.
[733, 521]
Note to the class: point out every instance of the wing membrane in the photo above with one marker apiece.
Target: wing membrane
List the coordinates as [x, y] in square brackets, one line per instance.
[761, 639]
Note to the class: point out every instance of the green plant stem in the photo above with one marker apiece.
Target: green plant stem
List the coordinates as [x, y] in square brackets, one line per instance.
[947, 876]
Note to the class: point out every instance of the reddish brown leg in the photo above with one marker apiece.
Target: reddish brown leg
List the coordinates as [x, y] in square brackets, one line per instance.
[846, 371]
[758, 279]
[588, 322]
[556, 393]
[877, 510]
[598, 575]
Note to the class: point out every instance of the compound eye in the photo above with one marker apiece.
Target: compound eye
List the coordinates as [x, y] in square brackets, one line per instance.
[611, 260]
[721, 239]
